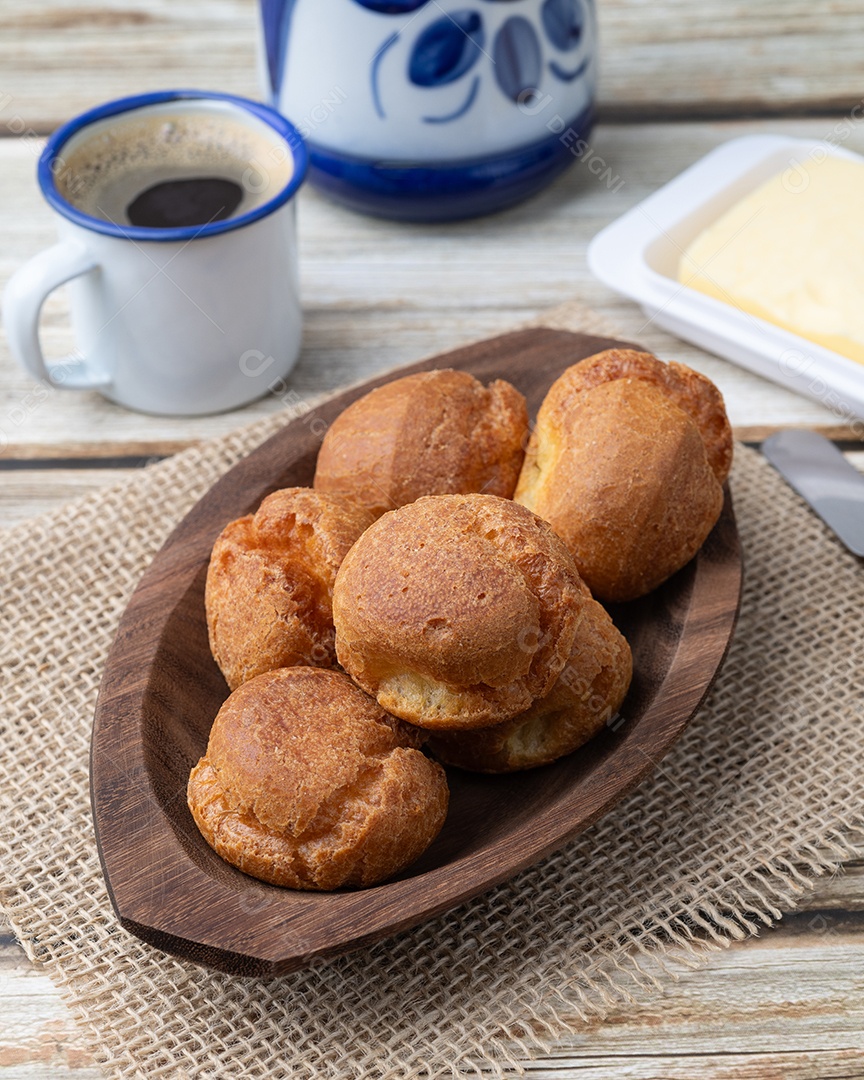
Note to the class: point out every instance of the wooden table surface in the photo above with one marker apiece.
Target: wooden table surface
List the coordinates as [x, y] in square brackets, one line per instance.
[678, 79]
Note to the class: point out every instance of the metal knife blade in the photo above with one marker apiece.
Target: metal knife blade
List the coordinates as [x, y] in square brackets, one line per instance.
[820, 474]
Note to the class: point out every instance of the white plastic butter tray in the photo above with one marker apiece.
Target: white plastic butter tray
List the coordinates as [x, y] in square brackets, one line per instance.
[638, 255]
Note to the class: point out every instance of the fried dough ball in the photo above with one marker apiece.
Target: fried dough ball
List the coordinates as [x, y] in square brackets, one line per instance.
[309, 784]
[457, 611]
[623, 477]
[434, 433]
[269, 586]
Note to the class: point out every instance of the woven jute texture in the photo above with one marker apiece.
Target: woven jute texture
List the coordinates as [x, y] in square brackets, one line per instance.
[733, 825]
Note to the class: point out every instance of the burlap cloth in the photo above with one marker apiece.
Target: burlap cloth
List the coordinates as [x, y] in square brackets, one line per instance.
[751, 804]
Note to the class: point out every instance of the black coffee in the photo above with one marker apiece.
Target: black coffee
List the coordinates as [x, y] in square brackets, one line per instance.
[173, 166]
[173, 204]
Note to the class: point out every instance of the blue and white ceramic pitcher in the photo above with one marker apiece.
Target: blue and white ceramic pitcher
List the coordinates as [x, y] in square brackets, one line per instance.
[434, 109]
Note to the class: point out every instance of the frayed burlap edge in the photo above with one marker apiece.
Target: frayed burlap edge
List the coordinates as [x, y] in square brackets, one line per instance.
[733, 826]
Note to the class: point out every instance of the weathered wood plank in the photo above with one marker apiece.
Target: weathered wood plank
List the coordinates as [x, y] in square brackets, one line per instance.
[27, 492]
[709, 58]
[378, 294]
[38, 1036]
[773, 997]
[786, 1006]
[829, 1064]
[60, 57]
[671, 56]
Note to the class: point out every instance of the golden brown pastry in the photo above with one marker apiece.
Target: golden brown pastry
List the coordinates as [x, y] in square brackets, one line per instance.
[457, 611]
[270, 583]
[623, 478]
[691, 391]
[587, 695]
[307, 783]
[435, 433]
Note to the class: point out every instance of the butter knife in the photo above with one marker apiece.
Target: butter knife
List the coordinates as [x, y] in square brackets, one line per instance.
[820, 474]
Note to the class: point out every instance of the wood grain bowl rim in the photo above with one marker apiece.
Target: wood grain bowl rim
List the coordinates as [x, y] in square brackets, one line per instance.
[265, 944]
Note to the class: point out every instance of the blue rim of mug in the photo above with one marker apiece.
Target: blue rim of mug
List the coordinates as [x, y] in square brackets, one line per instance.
[62, 135]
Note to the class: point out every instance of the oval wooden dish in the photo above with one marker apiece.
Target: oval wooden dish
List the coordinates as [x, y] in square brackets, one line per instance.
[162, 689]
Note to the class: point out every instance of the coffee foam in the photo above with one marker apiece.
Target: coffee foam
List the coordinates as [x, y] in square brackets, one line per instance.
[106, 167]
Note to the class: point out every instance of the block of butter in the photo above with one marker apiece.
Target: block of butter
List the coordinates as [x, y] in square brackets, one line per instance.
[792, 253]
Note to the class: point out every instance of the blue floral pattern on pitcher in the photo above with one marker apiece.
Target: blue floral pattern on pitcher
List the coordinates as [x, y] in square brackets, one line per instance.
[434, 88]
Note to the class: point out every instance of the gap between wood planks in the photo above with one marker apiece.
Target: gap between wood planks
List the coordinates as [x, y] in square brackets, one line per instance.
[130, 455]
[650, 112]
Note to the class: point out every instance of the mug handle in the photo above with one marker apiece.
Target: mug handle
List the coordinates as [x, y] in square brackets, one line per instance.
[28, 289]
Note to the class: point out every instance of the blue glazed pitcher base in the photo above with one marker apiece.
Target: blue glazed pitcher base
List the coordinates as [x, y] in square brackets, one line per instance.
[447, 191]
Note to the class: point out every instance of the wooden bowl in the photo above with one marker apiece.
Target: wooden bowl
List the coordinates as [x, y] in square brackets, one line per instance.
[161, 691]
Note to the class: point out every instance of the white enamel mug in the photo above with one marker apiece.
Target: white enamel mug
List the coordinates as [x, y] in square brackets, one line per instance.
[174, 321]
